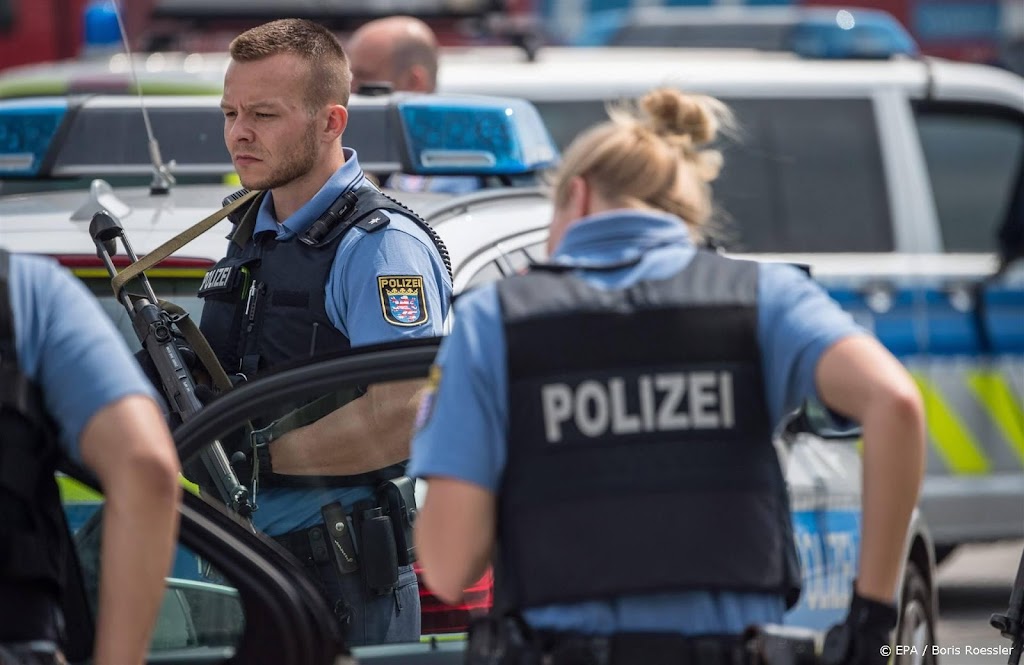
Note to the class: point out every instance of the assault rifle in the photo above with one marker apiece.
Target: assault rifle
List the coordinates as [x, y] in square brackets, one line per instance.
[155, 329]
[1011, 624]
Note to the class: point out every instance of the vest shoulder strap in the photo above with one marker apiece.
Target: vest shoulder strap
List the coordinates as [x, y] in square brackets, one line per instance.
[369, 201]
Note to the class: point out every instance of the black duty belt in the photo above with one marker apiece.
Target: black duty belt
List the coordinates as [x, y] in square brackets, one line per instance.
[642, 649]
[310, 546]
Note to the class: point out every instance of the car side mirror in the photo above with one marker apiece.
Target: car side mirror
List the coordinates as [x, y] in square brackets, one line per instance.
[813, 418]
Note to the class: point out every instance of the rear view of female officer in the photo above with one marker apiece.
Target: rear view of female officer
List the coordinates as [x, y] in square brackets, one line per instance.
[601, 428]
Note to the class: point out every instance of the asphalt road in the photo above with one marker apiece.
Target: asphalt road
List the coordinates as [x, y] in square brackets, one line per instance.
[975, 582]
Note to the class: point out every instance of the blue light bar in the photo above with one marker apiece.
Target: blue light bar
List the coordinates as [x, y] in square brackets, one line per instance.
[456, 135]
[851, 34]
[27, 128]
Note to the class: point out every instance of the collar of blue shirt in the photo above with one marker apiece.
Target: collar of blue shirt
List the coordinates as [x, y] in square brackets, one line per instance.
[618, 235]
[348, 177]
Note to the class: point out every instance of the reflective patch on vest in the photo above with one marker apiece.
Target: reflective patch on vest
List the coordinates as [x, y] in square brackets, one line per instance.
[403, 299]
[661, 402]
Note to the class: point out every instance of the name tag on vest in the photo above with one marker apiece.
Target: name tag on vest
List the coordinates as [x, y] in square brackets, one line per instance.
[672, 401]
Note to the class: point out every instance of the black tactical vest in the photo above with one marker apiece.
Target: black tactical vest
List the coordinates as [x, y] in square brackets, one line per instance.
[33, 534]
[640, 456]
[264, 302]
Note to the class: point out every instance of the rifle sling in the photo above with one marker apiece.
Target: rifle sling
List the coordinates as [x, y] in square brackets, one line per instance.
[175, 243]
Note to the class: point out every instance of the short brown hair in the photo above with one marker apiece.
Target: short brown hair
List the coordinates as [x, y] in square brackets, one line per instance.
[329, 75]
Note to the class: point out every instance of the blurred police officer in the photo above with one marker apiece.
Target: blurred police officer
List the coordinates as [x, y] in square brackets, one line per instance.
[320, 262]
[602, 426]
[401, 52]
[69, 389]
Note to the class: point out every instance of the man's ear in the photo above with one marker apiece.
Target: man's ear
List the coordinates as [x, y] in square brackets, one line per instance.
[418, 80]
[337, 121]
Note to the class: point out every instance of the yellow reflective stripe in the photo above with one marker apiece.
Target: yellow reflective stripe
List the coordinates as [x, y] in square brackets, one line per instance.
[188, 485]
[444, 637]
[172, 88]
[72, 491]
[172, 273]
[996, 395]
[32, 88]
[953, 442]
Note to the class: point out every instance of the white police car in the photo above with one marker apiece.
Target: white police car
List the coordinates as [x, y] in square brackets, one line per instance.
[900, 181]
[261, 608]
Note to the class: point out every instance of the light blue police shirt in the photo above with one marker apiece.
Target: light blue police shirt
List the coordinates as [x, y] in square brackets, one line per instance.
[68, 346]
[352, 299]
[463, 430]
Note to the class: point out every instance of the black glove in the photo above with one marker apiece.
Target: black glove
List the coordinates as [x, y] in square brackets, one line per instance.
[865, 637]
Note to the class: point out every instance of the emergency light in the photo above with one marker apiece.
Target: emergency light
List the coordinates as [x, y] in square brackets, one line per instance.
[27, 128]
[417, 134]
[474, 136]
[857, 34]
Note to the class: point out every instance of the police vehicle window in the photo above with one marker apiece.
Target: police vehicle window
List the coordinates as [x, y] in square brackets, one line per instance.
[801, 175]
[974, 161]
[804, 175]
[200, 610]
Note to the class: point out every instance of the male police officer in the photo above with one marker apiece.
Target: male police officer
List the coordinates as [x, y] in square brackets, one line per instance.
[320, 262]
[603, 425]
[69, 389]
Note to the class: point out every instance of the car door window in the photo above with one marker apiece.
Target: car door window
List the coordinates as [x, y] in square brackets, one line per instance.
[800, 174]
[974, 158]
[200, 614]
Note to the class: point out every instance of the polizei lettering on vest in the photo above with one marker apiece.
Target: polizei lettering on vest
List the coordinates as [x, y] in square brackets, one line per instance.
[215, 279]
[661, 403]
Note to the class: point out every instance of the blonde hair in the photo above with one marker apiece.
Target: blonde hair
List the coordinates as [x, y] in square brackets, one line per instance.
[329, 75]
[650, 155]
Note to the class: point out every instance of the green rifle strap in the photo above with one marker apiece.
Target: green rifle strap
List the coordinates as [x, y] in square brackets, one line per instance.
[198, 342]
[303, 415]
[176, 243]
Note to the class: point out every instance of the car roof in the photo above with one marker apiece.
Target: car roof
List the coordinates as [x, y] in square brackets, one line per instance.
[41, 223]
[575, 73]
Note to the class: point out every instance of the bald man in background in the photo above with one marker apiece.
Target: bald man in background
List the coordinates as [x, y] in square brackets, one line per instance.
[400, 50]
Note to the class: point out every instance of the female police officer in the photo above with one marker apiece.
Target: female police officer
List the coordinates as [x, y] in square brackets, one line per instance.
[603, 425]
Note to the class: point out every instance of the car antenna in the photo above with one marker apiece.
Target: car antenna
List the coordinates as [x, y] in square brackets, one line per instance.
[163, 180]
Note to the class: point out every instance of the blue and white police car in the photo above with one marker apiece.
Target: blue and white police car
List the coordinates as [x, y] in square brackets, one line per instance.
[62, 159]
[899, 180]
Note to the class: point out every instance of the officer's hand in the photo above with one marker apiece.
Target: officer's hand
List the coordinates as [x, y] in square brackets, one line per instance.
[865, 637]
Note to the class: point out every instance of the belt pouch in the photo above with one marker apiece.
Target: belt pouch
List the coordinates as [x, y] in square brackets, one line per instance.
[377, 552]
[339, 531]
[398, 499]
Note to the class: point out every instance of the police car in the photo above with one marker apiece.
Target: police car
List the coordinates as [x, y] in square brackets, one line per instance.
[898, 180]
[235, 593]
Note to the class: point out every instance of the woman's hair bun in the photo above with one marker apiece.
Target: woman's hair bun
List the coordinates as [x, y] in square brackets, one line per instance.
[671, 112]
